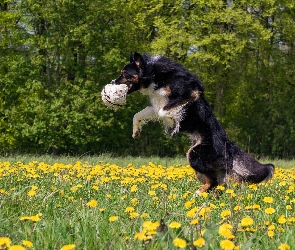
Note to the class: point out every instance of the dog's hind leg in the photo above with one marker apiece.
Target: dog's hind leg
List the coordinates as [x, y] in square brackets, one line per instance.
[142, 117]
[196, 156]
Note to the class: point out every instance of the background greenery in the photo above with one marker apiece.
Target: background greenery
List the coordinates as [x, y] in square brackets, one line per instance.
[56, 56]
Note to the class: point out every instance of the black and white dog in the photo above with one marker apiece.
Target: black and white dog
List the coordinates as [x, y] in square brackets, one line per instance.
[177, 99]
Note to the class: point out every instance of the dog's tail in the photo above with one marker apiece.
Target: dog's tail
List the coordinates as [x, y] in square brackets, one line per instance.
[246, 168]
[270, 168]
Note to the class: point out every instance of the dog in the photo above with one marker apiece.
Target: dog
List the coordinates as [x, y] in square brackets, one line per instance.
[177, 99]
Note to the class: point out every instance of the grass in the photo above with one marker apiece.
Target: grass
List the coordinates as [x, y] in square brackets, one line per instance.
[138, 203]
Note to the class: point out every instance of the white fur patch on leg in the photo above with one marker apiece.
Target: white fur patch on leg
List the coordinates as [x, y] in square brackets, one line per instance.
[142, 117]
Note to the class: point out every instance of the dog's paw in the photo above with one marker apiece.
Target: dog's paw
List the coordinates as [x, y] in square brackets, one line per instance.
[162, 113]
[136, 133]
[198, 192]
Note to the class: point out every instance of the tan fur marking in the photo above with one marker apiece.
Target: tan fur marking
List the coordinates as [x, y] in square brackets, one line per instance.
[206, 186]
[195, 94]
[135, 79]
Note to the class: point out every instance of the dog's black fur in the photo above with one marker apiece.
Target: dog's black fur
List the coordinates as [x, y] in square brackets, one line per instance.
[177, 98]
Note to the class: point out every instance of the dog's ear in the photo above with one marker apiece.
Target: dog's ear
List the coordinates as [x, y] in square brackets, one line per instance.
[131, 57]
[138, 59]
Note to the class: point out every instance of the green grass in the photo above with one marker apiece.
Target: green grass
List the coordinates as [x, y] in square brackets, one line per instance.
[158, 189]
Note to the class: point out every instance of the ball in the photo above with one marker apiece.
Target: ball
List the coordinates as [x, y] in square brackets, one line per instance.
[114, 95]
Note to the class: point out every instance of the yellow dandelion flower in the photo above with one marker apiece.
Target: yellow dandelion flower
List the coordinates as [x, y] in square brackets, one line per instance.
[247, 221]
[268, 199]
[17, 247]
[194, 221]
[27, 243]
[134, 201]
[113, 218]
[174, 224]
[92, 203]
[133, 215]
[109, 196]
[192, 212]
[270, 210]
[219, 187]
[227, 245]
[133, 189]
[188, 204]
[284, 246]
[152, 192]
[140, 236]
[225, 213]
[102, 210]
[282, 219]
[150, 226]
[229, 191]
[95, 187]
[253, 186]
[256, 206]
[200, 242]
[129, 209]
[271, 227]
[172, 196]
[237, 208]
[144, 215]
[289, 207]
[5, 242]
[204, 194]
[68, 247]
[270, 233]
[178, 242]
[225, 231]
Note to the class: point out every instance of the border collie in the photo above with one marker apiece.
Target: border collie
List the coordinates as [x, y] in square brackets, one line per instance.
[177, 99]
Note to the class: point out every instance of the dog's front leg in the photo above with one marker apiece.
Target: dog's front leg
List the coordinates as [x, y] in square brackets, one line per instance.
[142, 117]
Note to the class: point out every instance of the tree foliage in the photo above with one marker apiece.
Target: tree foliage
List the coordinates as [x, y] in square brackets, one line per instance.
[56, 56]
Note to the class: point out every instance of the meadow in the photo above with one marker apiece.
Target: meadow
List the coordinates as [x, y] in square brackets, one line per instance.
[138, 203]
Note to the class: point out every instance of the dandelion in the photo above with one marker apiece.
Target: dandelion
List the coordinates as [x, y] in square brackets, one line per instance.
[200, 242]
[113, 218]
[151, 226]
[288, 207]
[282, 219]
[270, 233]
[268, 199]
[178, 242]
[219, 187]
[229, 191]
[152, 192]
[94, 187]
[247, 221]
[204, 194]
[129, 209]
[133, 189]
[27, 243]
[237, 208]
[225, 213]
[174, 224]
[92, 203]
[144, 215]
[269, 210]
[4, 242]
[17, 247]
[227, 245]
[68, 247]
[133, 215]
[284, 246]
[188, 204]
[225, 231]
[194, 221]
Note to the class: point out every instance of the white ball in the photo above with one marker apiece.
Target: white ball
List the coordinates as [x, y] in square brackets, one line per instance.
[114, 95]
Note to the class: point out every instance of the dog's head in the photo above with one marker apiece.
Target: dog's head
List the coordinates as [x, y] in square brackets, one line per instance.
[132, 73]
